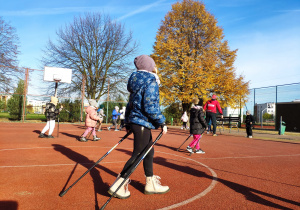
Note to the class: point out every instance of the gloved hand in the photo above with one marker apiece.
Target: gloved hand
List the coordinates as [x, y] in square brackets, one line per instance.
[164, 128]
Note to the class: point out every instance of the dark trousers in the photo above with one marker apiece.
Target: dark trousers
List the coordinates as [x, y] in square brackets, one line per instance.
[212, 116]
[122, 124]
[114, 123]
[249, 130]
[142, 137]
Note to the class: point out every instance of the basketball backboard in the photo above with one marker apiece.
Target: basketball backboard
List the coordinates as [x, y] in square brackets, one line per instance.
[54, 74]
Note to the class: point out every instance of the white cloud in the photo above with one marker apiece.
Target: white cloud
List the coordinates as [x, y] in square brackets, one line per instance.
[51, 11]
[140, 10]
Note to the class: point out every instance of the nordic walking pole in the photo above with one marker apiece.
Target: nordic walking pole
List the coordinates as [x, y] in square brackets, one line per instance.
[196, 144]
[61, 194]
[131, 170]
[57, 126]
[184, 141]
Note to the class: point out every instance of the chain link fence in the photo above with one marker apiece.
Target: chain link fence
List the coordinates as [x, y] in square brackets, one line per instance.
[28, 104]
[263, 103]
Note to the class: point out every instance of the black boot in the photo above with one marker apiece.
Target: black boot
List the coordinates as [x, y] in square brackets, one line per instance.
[42, 135]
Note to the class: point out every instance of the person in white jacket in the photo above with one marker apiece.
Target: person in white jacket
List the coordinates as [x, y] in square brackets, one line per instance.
[122, 117]
[184, 120]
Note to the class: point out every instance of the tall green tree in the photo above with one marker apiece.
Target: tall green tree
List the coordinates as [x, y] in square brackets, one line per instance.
[97, 49]
[15, 103]
[193, 58]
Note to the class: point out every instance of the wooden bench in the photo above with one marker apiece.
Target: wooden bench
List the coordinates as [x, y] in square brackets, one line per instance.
[230, 121]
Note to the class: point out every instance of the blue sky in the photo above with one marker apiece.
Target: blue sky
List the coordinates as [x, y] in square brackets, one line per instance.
[265, 32]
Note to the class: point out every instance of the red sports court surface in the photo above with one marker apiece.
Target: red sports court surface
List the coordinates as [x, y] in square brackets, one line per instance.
[235, 172]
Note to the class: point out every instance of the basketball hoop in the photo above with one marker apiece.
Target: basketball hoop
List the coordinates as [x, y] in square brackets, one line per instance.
[57, 79]
[54, 74]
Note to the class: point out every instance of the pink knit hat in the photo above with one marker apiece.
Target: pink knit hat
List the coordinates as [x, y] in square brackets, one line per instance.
[144, 62]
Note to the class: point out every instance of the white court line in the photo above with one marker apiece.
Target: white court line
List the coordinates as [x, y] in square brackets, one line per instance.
[66, 164]
[269, 156]
[203, 193]
[36, 148]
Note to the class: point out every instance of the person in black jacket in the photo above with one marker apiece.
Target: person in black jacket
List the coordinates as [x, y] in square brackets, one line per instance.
[51, 114]
[249, 124]
[197, 125]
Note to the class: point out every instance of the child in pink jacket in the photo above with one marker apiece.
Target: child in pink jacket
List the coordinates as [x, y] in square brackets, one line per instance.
[91, 120]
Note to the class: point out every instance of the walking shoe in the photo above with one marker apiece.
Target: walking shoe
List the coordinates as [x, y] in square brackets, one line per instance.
[123, 192]
[83, 139]
[99, 130]
[42, 135]
[96, 138]
[116, 130]
[215, 134]
[190, 149]
[250, 137]
[108, 128]
[207, 132]
[50, 137]
[153, 186]
[199, 151]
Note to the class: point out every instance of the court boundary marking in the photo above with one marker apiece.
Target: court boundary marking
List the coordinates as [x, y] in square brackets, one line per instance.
[176, 205]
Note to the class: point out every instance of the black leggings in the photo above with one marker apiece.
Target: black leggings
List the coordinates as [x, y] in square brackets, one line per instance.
[142, 137]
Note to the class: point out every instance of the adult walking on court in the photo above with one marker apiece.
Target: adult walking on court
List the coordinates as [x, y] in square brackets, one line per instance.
[115, 115]
[142, 114]
[197, 125]
[211, 107]
[249, 123]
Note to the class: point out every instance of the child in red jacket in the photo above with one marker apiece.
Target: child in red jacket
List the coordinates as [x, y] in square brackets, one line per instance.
[91, 120]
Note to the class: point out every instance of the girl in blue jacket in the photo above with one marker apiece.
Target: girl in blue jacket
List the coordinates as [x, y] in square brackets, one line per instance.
[142, 114]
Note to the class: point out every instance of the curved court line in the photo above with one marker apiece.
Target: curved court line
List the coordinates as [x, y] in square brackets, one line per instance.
[203, 193]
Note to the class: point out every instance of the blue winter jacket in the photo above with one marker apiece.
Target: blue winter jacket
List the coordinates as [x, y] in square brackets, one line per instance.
[143, 106]
[115, 114]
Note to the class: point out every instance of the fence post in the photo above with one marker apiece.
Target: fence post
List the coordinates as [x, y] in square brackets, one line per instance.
[82, 98]
[107, 100]
[25, 94]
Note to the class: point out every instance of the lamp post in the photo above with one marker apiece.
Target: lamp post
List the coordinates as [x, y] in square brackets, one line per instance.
[262, 116]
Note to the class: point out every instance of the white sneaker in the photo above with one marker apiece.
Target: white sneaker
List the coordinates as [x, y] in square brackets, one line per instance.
[200, 151]
[108, 128]
[250, 137]
[190, 149]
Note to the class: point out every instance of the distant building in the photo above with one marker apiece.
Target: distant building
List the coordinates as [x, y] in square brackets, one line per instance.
[5, 98]
[260, 109]
[233, 112]
[38, 106]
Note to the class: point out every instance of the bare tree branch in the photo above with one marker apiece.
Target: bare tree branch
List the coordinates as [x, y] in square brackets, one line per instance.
[96, 48]
[9, 44]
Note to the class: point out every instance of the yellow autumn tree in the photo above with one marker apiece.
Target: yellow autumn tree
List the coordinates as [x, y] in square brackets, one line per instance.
[194, 60]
